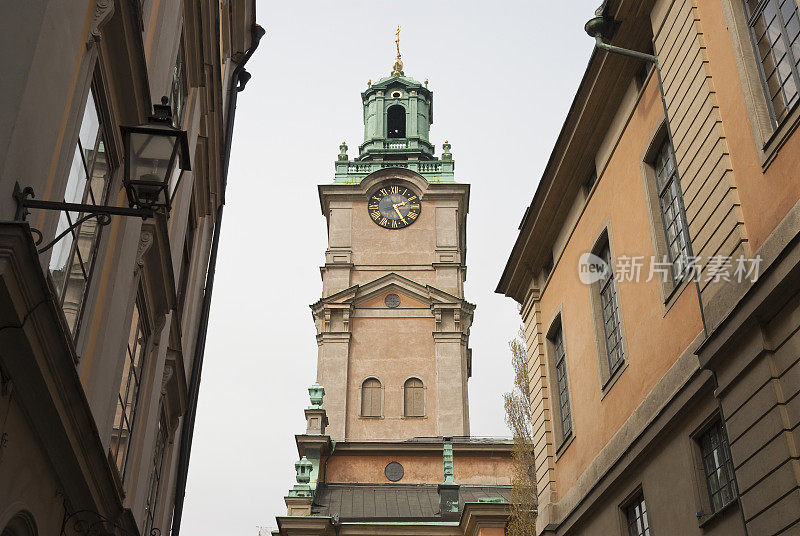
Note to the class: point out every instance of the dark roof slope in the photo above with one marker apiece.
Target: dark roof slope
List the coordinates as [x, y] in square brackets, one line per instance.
[393, 502]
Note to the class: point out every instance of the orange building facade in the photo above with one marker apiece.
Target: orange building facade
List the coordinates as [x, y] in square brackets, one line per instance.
[657, 269]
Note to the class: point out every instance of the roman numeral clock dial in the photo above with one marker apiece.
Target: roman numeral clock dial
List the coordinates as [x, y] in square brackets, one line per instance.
[394, 207]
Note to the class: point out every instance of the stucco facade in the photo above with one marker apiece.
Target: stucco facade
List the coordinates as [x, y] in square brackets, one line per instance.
[705, 358]
[101, 334]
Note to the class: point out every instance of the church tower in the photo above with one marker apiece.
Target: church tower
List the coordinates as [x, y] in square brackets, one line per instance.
[393, 324]
[392, 440]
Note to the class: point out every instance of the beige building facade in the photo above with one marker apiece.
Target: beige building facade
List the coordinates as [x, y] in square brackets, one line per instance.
[390, 451]
[665, 396]
[102, 332]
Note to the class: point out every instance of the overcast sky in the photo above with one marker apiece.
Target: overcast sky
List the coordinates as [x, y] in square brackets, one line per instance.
[503, 75]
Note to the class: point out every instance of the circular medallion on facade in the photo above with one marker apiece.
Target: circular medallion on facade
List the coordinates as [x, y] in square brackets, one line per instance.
[392, 300]
[394, 471]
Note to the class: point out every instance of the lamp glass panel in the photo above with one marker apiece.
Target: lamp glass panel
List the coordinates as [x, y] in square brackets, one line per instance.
[149, 163]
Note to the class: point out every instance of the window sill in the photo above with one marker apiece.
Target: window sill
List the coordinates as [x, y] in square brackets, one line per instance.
[562, 448]
[613, 379]
[706, 521]
[779, 137]
[370, 417]
[414, 417]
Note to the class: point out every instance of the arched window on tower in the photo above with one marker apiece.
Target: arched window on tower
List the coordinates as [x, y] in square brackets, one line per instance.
[396, 121]
[371, 399]
[413, 398]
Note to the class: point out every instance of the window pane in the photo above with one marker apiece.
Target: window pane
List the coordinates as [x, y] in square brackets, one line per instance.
[561, 382]
[178, 92]
[129, 388]
[73, 257]
[718, 466]
[610, 312]
[636, 514]
[673, 216]
[775, 26]
[156, 469]
[90, 124]
[60, 254]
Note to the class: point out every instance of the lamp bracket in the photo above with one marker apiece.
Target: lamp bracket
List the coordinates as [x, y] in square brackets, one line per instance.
[90, 523]
[25, 200]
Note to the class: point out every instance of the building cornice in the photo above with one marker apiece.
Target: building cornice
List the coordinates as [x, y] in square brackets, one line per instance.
[491, 446]
[591, 113]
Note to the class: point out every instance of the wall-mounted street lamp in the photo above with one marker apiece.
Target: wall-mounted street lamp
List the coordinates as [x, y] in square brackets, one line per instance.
[150, 153]
[151, 150]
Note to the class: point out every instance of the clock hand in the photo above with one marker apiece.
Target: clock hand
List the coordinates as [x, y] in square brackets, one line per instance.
[398, 210]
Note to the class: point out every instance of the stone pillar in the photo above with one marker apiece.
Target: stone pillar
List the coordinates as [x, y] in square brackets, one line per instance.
[448, 264]
[339, 255]
[451, 383]
[380, 115]
[332, 365]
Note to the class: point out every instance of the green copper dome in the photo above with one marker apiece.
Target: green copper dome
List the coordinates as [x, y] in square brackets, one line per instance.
[398, 113]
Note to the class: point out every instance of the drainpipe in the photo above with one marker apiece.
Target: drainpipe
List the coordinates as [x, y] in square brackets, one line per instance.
[603, 26]
[239, 79]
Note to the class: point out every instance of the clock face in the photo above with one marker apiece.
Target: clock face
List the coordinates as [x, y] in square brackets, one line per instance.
[394, 206]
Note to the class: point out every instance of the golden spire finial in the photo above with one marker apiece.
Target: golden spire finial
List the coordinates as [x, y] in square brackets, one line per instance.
[397, 67]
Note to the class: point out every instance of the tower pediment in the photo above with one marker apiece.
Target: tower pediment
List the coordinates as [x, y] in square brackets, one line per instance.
[428, 295]
[452, 314]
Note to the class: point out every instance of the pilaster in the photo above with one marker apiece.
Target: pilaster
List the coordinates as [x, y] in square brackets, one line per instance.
[451, 381]
[332, 365]
[448, 255]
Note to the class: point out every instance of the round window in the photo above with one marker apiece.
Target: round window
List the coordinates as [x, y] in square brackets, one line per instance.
[392, 300]
[394, 471]
[396, 95]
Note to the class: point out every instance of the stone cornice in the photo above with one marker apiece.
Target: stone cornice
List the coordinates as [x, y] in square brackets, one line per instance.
[573, 156]
[305, 525]
[333, 336]
[477, 516]
[495, 447]
[401, 528]
[450, 336]
[323, 442]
